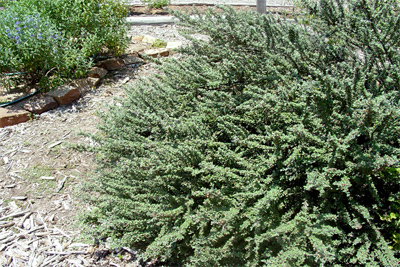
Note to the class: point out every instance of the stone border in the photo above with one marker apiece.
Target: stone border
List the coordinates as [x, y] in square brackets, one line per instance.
[137, 51]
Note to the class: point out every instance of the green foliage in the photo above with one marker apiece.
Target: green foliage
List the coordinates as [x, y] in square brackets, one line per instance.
[391, 230]
[393, 218]
[267, 145]
[159, 44]
[156, 3]
[93, 24]
[32, 42]
[48, 37]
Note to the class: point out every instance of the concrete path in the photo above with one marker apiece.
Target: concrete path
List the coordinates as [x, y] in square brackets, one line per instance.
[215, 2]
[151, 20]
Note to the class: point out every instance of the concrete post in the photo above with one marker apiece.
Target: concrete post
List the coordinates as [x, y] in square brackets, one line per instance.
[261, 6]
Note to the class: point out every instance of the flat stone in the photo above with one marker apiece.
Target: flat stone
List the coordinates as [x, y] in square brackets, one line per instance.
[162, 52]
[174, 45]
[11, 116]
[93, 82]
[97, 72]
[38, 105]
[111, 64]
[85, 84]
[131, 59]
[137, 38]
[136, 48]
[82, 84]
[65, 94]
[149, 39]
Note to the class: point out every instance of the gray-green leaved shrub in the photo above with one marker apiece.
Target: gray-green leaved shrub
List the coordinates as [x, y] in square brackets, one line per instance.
[268, 145]
[156, 3]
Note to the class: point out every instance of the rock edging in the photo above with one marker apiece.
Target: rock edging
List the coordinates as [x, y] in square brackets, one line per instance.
[139, 48]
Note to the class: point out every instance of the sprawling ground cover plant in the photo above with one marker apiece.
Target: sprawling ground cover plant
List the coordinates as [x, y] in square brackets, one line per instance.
[392, 216]
[58, 37]
[271, 144]
[156, 3]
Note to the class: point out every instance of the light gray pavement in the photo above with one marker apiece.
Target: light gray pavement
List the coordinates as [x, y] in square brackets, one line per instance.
[151, 20]
[228, 2]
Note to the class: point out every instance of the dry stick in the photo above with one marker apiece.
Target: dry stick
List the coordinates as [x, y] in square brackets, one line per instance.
[31, 259]
[5, 235]
[16, 151]
[7, 225]
[65, 135]
[47, 178]
[33, 240]
[31, 220]
[8, 239]
[66, 253]
[3, 209]
[61, 184]
[20, 224]
[45, 226]
[10, 165]
[30, 231]
[54, 144]
[42, 234]
[17, 214]
[13, 261]
[129, 250]
[44, 144]
[42, 249]
[48, 261]
[62, 232]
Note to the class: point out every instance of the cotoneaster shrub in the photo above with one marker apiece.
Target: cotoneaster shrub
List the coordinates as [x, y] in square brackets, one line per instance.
[269, 145]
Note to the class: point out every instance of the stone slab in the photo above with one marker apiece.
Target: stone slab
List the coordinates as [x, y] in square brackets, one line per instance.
[82, 84]
[137, 38]
[131, 59]
[162, 52]
[111, 64]
[97, 72]
[38, 105]
[11, 116]
[136, 48]
[149, 39]
[85, 84]
[93, 82]
[65, 94]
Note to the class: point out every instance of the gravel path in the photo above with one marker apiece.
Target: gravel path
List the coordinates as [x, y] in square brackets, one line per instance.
[166, 32]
